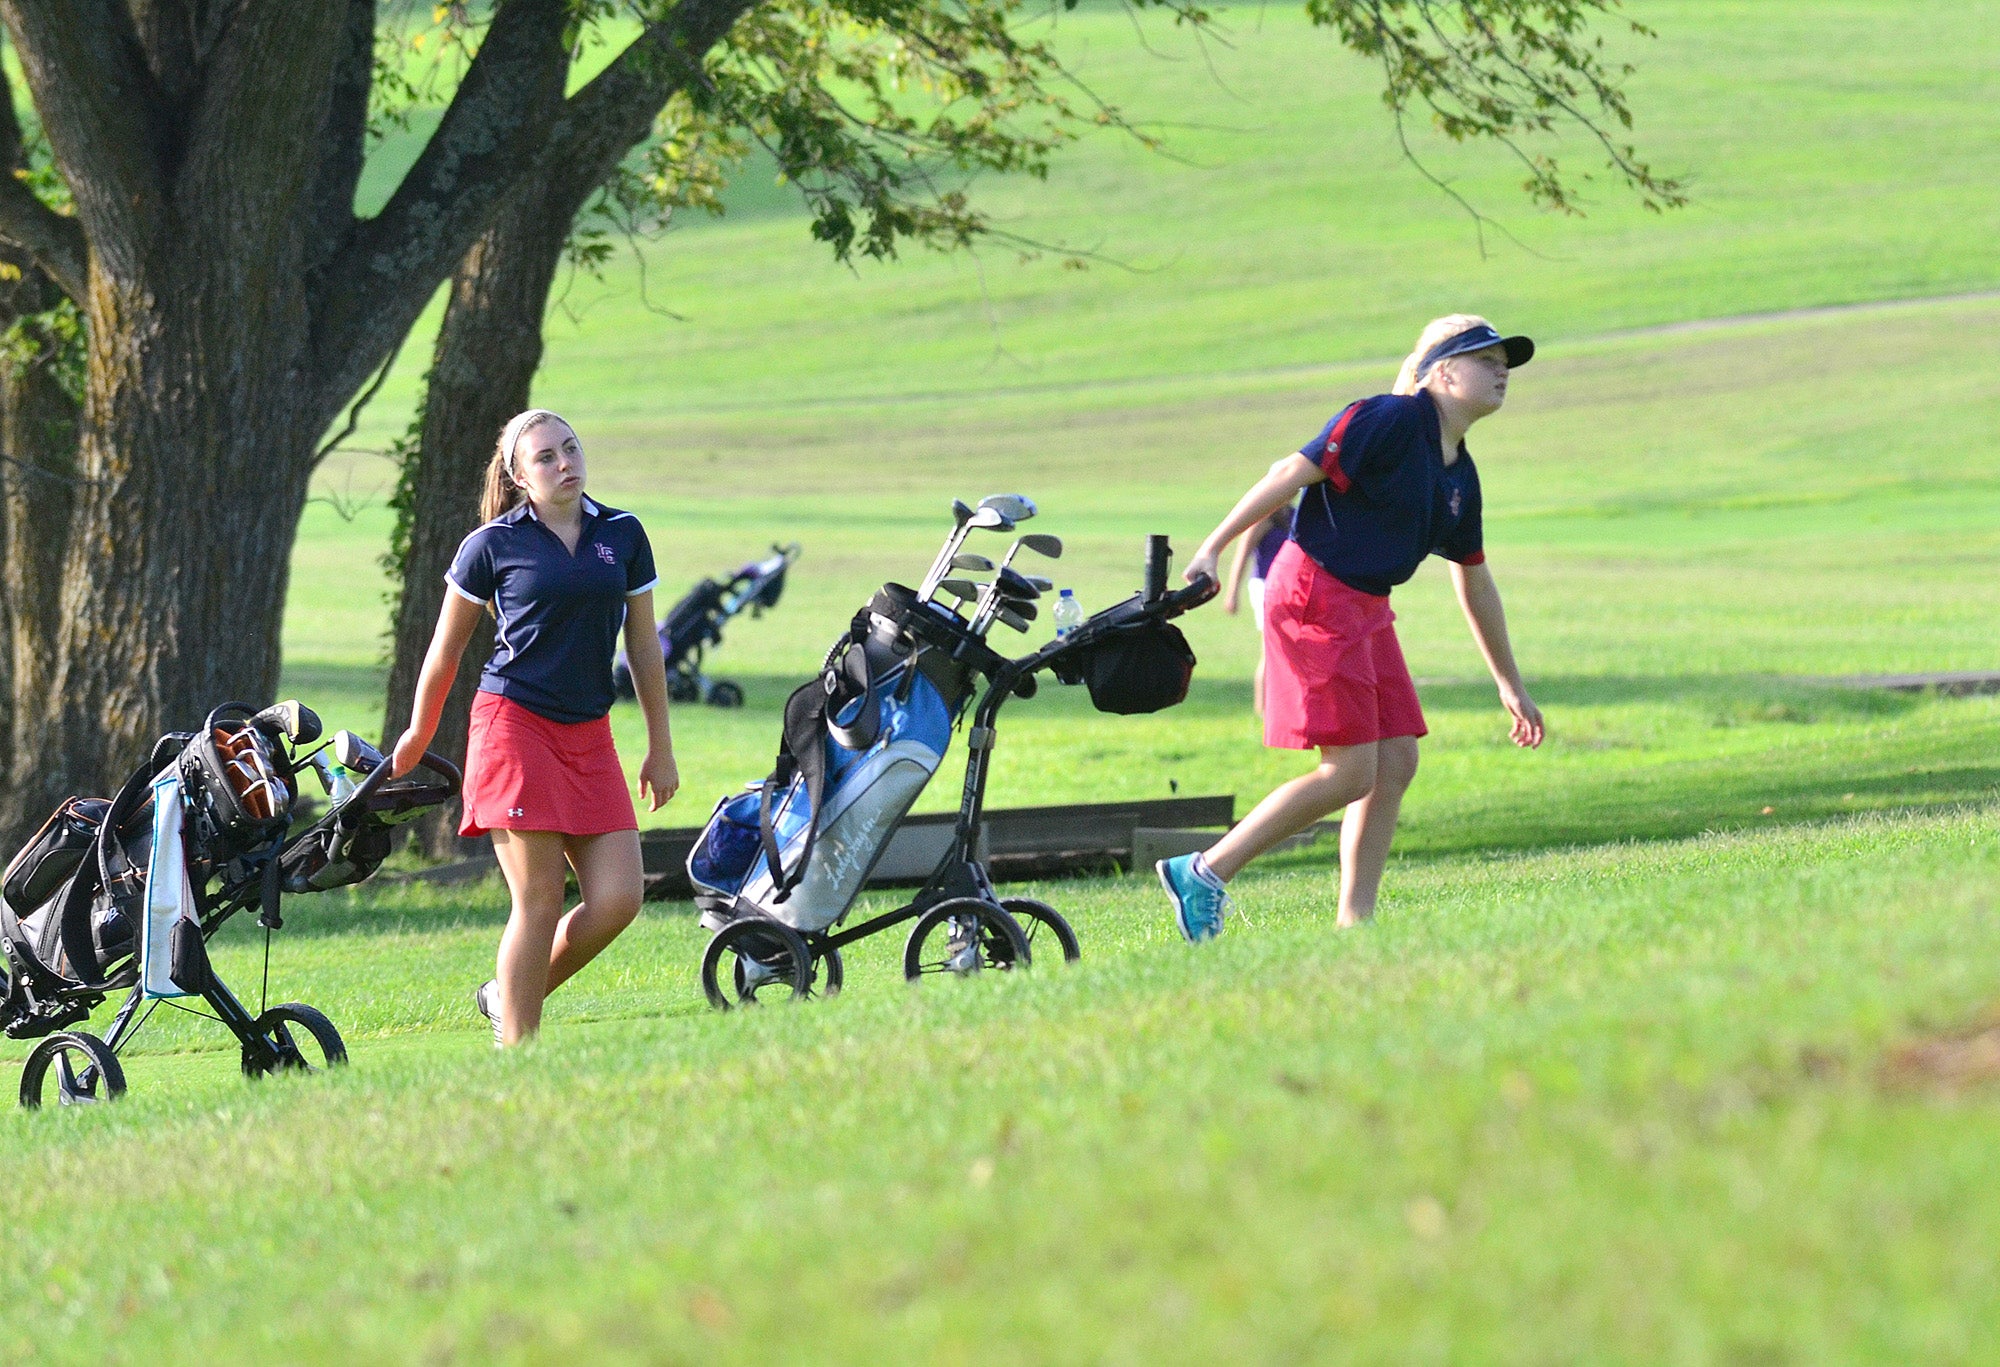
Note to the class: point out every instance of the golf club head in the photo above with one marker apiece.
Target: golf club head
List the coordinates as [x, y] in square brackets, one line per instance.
[964, 590]
[1039, 584]
[355, 753]
[966, 560]
[1014, 507]
[1021, 608]
[1012, 618]
[990, 520]
[961, 515]
[299, 723]
[1013, 584]
[1041, 543]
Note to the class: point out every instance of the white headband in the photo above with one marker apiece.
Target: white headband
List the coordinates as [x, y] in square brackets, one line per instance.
[518, 424]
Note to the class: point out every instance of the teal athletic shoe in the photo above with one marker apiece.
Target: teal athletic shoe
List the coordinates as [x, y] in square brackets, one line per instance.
[1200, 907]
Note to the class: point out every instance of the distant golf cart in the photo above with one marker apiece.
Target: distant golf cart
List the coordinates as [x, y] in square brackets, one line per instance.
[695, 623]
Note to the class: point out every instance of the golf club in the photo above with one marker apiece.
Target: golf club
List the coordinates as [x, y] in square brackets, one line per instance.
[964, 590]
[983, 519]
[960, 515]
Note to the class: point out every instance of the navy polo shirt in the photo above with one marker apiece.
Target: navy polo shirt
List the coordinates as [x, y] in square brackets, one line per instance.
[1388, 499]
[557, 612]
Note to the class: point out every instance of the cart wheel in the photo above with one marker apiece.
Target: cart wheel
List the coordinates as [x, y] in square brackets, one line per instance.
[86, 1070]
[279, 1046]
[1036, 917]
[830, 972]
[766, 956]
[681, 688]
[964, 935]
[725, 694]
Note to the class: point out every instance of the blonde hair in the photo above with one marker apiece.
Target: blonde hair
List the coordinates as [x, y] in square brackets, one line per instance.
[501, 493]
[1408, 381]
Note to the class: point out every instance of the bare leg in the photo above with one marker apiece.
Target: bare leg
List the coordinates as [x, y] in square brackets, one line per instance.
[1345, 773]
[1369, 826]
[532, 862]
[612, 878]
[1257, 687]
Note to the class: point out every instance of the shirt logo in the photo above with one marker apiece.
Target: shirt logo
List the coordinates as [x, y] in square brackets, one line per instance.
[517, 811]
[1457, 499]
[1332, 446]
[604, 553]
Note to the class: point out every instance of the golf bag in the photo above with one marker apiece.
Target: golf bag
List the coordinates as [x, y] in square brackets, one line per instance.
[860, 742]
[694, 624]
[125, 893]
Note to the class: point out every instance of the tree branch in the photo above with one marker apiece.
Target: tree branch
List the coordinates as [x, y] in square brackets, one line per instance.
[375, 286]
[382, 281]
[103, 114]
[345, 139]
[45, 237]
[55, 242]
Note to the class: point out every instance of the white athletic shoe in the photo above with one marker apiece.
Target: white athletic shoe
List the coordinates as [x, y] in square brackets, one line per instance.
[486, 997]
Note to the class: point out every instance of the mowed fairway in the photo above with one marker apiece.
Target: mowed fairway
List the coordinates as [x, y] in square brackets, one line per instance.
[1617, 1075]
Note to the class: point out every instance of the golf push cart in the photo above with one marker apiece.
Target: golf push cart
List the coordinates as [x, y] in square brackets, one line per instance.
[695, 623]
[124, 894]
[778, 866]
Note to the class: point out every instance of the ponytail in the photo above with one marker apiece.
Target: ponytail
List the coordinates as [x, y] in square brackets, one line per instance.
[500, 493]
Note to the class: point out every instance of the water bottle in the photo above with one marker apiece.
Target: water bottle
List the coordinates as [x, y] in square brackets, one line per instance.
[1068, 614]
[342, 786]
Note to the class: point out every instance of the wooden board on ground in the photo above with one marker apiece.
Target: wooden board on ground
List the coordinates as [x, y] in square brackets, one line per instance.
[1016, 843]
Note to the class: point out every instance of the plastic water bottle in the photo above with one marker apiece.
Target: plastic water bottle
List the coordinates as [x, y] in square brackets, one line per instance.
[1068, 614]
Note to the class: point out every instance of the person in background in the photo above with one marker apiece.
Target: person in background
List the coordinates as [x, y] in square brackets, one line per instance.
[1257, 548]
[1387, 482]
[562, 575]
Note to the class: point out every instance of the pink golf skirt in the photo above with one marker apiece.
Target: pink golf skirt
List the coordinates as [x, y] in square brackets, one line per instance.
[524, 772]
[1333, 669]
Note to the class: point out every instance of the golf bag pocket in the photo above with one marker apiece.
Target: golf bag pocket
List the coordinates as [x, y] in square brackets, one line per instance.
[728, 846]
[169, 901]
[1144, 667]
[861, 813]
[47, 861]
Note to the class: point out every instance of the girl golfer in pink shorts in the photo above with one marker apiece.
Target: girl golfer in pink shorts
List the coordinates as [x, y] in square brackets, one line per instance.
[1387, 482]
[563, 575]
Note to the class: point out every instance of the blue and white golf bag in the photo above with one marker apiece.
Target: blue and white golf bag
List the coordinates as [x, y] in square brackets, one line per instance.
[860, 743]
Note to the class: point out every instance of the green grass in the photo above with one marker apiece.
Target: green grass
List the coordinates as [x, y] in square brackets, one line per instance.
[1603, 1083]
[1612, 1104]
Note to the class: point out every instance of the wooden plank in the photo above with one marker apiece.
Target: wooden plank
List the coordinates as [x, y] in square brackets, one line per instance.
[1016, 842]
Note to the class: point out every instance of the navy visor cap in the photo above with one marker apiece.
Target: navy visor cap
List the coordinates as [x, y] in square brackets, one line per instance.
[1520, 350]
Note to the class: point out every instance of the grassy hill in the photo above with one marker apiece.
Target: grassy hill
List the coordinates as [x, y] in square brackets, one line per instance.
[1620, 1074]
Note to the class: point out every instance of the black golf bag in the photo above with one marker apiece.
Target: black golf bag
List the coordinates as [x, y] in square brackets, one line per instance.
[692, 626]
[124, 894]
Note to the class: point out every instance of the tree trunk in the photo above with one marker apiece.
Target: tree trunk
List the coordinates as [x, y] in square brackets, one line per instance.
[488, 348]
[179, 548]
[234, 304]
[38, 435]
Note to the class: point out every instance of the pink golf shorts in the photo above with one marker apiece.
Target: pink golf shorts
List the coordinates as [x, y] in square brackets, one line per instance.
[1333, 669]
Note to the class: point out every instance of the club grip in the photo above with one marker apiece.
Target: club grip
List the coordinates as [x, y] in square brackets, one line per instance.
[1159, 555]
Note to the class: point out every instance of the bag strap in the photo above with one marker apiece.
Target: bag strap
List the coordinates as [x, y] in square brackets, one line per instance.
[801, 755]
[79, 945]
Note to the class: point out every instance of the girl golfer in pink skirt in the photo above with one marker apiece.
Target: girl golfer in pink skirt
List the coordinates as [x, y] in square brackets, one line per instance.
[562, 574]
[1387, 482]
